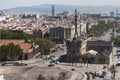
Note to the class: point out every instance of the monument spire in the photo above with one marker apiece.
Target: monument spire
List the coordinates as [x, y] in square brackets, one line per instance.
[76, 33]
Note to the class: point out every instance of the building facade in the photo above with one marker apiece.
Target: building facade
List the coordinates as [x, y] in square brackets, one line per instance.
[59, 34]
[105, 51]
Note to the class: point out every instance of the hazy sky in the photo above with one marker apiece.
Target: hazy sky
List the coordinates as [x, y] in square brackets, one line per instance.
[17, 3]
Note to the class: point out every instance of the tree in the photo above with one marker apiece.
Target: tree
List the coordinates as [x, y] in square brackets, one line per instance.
[41, 77]
[6, 34]
[71, 58]
[10, 52]
[14, 51]
[62, 76]
[74, 58]
[45, 45]
[113, 71]
[85, 59]
[3, 52]
[117, 41]
[79, 58]
[100, 28]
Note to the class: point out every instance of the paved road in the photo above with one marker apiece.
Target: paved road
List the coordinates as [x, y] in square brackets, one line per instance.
[106, 36]
[79, 71]
[77, 74]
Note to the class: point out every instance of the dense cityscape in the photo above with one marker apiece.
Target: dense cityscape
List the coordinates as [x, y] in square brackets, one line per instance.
[60, 45]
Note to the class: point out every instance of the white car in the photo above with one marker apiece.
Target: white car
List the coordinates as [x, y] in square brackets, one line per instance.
[57, 62]
[106, 78]
[96, 73]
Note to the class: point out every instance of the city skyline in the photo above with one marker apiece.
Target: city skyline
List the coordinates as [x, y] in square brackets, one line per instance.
[26, 3]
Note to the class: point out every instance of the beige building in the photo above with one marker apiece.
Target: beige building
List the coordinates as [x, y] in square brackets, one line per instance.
[60, 33]
[105, 52]
[95, 52]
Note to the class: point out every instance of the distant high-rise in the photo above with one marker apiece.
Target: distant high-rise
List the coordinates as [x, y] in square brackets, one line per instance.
[53, 10]
[111, 14]
[116, 12]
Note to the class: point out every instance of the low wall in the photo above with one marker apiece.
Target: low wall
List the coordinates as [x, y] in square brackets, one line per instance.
[13, 69]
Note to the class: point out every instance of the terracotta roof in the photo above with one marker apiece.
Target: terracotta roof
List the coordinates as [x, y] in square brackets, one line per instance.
[26, 47]
[16, 42]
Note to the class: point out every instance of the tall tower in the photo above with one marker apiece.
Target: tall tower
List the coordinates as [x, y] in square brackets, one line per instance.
[116, 12]
[76, 33]
[74, 45]
[53, 10]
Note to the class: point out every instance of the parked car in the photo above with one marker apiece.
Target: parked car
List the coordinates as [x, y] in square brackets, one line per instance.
[96, 73]
[73, 69]
[13, 64]
[118, 64]
[57, 62]
[3, 64]
[103, 74]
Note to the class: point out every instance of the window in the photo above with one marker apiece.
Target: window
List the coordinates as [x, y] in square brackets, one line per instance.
[101, 60]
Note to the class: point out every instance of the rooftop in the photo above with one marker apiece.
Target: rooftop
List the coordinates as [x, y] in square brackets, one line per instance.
[16, 42]
[100, 43]
[26, 47]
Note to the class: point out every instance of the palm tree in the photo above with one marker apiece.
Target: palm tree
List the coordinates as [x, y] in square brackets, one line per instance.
[113, 71]
[70, 58]
[79, 58]
[85, 59]
[74, 58]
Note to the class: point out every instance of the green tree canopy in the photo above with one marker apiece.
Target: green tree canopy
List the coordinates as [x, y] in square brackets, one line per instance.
[100, 28]
[113, 71]
[45, 45]
[6, 34]
[10, 52]
[117, 41]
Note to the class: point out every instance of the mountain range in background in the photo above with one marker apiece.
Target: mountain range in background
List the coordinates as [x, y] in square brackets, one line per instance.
[46, 8]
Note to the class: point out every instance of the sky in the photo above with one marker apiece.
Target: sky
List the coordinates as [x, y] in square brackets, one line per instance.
[18, 3]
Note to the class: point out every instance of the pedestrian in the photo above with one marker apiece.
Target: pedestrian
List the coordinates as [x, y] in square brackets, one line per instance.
[88, 75]
[93, 75]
